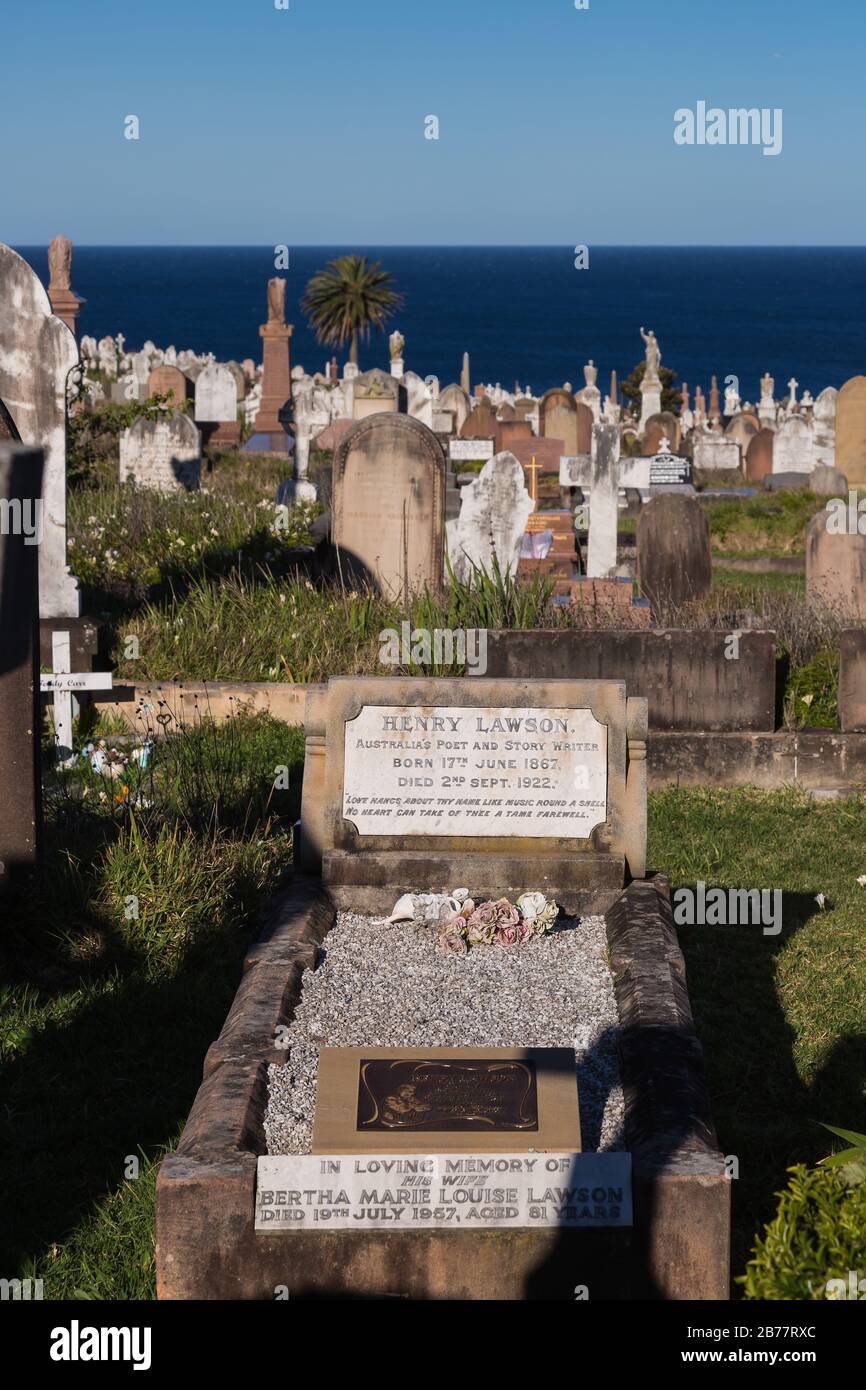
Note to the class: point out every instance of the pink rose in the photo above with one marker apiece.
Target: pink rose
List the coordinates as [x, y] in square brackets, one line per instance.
[508, 935]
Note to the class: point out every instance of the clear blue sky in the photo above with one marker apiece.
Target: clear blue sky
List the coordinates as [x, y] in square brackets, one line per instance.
[306, 126]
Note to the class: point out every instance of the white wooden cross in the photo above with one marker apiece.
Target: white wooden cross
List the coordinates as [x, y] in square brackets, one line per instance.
[603, 473]
[62, 682]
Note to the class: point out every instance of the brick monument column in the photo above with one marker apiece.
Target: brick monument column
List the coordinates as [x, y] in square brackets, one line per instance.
[65, 303]
[276, 367]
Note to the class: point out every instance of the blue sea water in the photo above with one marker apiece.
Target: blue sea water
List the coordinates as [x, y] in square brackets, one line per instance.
[523, 313]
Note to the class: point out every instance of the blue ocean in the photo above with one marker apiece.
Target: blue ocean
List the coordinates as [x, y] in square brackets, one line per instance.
[523, 314]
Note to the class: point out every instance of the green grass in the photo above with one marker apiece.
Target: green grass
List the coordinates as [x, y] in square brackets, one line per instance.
[782, 1019]
[772, 523]
[107, 1015]
[106, 1021]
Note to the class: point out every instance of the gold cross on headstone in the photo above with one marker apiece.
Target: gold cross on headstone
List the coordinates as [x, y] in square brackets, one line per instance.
[533, 469]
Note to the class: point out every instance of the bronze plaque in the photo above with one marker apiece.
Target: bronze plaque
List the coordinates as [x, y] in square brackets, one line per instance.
[428, 1094]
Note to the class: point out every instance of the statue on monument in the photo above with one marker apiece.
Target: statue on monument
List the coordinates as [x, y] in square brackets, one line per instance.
[60, 263]
[396, 343]
[653, 355]
[277, 302]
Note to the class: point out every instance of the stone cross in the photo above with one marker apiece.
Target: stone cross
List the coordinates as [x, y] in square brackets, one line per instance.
[603, 474]
[792, 387]
[62, 682]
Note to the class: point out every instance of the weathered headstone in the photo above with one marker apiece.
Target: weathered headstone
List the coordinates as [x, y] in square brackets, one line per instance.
[20, 710]
[164, 453]
[714, 451]
[492, 520]
[836, 564]
[455, 399]
[792, 449]
[584, 421]
[480, 423]
[673, 550]
[850, 431]
[216, 405]
[825, 481]
[759, 456]
[663, 425]
[37, 353]
[388, 504]
[602, 474]
[824, 427]
[558, 418]
[375, 393]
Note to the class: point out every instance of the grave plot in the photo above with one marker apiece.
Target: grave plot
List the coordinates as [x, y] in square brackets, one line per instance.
[461, 1062]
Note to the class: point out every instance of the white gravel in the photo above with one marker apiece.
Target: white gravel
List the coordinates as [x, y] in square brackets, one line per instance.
[384, 984]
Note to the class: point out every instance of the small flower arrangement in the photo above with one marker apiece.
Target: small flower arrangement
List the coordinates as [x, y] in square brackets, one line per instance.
[499, 923]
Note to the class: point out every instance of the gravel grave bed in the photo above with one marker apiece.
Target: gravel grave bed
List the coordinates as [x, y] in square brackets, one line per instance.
[387, 984]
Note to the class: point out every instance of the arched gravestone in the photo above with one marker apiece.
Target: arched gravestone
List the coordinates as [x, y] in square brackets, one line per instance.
[375, 393]
[742, 430]
[455, 399]
[584, 421]
[673, 550]
[388, 507]
[37, 353]
[480, 423]
[662, 425]
[168, 381]
[558, 418]
[759, 455]
[792, 449]
[836, 565]
[850, 431]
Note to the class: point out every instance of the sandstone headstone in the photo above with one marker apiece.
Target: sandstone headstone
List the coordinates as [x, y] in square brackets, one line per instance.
[168, 381]
[164, 454]
[742, 430]
[825, 481]
[851, 431]
[480, 423]
[37, 353]
[455, 399]
[388, 504]
[663, 425]
[673, 550]
[558, 418]
[492, 520]
[584, 422]
[375, 393]
[714, 451]
[510, 431]
[835, 566]
[759, 455]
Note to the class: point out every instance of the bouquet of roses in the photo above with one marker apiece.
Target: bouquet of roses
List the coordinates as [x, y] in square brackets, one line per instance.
[499, 923]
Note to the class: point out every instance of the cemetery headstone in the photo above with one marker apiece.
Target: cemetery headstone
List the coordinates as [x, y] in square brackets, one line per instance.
[388, 504]
[850, 431]
[584, 423]
[493, 513]
[792, 449]
[714, 451]
[455, 399]
[480, 423]
[171, 382]
[375, 393]
[602, 475]
[558, 415]
[759, 455]
[824, 427]
[836, 567]
[216, 405]
[20, 710]
[425, 782]
[673, 550]
[164, 454]
[37, 353]
[828, 482]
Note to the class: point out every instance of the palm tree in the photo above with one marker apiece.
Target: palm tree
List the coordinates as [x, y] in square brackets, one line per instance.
[348, 298]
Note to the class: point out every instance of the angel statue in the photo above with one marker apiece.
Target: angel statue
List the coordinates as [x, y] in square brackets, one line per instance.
[653, 353]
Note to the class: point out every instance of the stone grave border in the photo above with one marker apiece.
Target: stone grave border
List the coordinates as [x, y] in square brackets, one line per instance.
[206, 1245]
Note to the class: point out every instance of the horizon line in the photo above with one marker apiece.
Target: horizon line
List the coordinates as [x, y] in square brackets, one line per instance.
[455, 246]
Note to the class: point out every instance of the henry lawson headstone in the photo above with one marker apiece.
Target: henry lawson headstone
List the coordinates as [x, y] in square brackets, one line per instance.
[602, 475]
[493, 514]
[509, 784]
[164, 453]
[389, 504]
[20, 722]
[37, 353]
[673, 550]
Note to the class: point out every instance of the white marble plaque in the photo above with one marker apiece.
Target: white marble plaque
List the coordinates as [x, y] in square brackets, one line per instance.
[76, 680]
[359, 1192]
[470, 449]
[472, 770]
